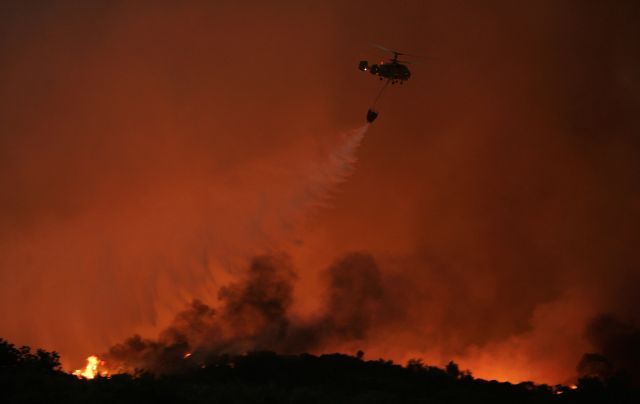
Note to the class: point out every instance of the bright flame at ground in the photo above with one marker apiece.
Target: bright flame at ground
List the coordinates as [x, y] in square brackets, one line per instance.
[91, 370]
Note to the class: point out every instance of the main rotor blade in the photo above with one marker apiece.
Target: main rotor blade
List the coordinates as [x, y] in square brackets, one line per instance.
[381, 47]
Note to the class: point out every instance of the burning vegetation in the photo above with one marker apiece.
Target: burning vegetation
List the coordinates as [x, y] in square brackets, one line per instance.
[251, 348]
[253, 326]
[94, 367]
[270, 377]
[254, 315]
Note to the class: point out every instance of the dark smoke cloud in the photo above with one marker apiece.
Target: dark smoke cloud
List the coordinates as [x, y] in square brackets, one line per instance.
[356, 296]
[148, 150]
[254, 314]
[617, 349]
[595, 365]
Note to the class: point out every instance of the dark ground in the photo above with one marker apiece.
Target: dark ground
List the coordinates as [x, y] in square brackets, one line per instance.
[266, 377]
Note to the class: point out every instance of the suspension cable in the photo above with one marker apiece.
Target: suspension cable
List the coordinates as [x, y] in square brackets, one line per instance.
[379, 94]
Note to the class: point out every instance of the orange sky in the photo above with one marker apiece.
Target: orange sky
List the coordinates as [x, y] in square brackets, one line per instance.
[148, 150]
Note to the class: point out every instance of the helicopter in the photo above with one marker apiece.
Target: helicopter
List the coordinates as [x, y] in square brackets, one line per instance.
[393, 70]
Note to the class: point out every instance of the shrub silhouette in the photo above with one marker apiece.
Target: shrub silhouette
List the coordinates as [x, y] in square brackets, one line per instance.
[267, 377]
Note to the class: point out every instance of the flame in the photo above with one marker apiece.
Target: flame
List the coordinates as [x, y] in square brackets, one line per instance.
[188, 354]
[559, 390]
[91, 370]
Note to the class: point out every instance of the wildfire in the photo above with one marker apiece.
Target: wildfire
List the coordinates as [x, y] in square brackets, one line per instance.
[563, 389]
[91, 370]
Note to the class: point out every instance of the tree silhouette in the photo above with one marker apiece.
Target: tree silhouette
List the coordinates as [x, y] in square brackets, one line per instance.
[453, 370]
[268, 377]
[11, 357]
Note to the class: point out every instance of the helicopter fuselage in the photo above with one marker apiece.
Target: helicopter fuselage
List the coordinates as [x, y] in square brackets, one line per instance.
[390, 70]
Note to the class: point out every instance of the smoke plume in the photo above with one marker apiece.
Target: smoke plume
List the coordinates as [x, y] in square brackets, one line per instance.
[617, 350]
[151, 152]
[253, 314]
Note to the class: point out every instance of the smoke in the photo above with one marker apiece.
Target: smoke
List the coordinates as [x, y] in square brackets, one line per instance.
[149, 150]
[355, 296]
[617, 349]
[595, 365]
[254, 314]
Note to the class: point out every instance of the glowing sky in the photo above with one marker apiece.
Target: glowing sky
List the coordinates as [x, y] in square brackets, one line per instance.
[149, 149]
